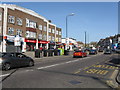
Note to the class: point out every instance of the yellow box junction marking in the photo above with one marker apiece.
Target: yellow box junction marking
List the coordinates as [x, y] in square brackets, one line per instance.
[105, 66]
[97, 71]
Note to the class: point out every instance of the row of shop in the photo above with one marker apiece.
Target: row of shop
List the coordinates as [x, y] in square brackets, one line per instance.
[26, 44]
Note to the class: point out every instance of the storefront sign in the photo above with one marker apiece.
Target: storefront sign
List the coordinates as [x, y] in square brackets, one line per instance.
[17, 41]
[32, 41]
[10, 38]
[43, 42]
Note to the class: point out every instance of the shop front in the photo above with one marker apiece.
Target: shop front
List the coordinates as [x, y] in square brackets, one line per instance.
[30, 44]
[1, 39]
[10, 44]
[42, 44]
[51, 45]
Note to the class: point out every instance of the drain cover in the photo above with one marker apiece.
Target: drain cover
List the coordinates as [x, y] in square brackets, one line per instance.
[74, 82]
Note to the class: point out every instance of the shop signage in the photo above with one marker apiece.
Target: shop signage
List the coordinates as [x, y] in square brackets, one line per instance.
[17, 41]
[10, 38]
[32, 41]
[43, 42]
[35, 41]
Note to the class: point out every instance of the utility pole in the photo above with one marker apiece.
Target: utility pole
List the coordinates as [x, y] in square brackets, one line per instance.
[85, 39]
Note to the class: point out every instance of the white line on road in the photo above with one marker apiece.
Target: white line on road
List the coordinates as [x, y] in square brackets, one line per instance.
[4, 75]
[57, 64]
[52, 65]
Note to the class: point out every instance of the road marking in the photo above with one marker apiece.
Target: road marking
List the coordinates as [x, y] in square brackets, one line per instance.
[105, 66]
[58, 64]
[77, 72]
[28, 70]
[97, 71]
[4, 75]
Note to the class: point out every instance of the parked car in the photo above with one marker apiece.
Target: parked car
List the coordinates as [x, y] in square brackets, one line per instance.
[10, 60]
[92, 51]
[79, 53]
[107, 51]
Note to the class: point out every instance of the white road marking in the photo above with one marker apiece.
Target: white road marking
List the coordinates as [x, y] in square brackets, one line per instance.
[52, 65]
[4, 75]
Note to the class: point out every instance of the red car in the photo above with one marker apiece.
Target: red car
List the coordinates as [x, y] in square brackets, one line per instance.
[79, 54]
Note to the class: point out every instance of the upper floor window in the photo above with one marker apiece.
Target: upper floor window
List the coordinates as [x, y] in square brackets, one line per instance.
[60, 39]
[19, 21]
[53, 30]
[56, 31]
[40, 27]
[50, 30]
[59, 32]
[10, 31]
[30, 34]
[44, 37]
[30, 23]
[53, 38]
[40, 36]
[49, 38]
[19, 32]
[11, 19]
[45, 28]
[0, 16]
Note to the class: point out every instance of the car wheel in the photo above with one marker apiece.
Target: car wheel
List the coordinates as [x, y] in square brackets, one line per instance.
[73, 56]
[31, 63]
[6, 66]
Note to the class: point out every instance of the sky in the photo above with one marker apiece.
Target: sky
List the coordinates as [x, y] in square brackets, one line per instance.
[98, 19]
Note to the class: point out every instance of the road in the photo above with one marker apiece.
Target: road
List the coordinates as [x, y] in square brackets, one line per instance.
[62, 72]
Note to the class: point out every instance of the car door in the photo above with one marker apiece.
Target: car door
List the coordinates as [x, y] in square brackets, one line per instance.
[23, 59]
[13, 60]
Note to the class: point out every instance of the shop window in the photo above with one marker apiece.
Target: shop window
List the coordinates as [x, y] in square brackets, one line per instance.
[40, 27]
[19, 21]
[11, 19]
[19, 32]
[10, 31]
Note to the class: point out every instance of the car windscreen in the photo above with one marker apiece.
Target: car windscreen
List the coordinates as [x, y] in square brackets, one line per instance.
[78, 51]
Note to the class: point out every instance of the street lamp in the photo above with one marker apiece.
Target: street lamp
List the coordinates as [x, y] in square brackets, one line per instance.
[72, 14]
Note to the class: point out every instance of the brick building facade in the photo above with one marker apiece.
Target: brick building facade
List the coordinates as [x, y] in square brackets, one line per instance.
[34, 30]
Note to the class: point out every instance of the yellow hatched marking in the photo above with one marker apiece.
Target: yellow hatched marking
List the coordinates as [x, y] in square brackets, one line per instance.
[77, 72]
[105, 66]
[97, 71]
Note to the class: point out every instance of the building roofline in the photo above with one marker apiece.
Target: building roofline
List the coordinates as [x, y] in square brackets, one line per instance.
[25, 10]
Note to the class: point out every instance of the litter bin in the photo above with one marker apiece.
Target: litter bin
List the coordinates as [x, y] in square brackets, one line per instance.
[50, 52]
[56, 52]
[37, 53]
[45, 53]
[66, 52]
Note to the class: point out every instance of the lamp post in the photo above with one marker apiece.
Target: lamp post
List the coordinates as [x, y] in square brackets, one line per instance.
[67, 29]
[85, 39]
